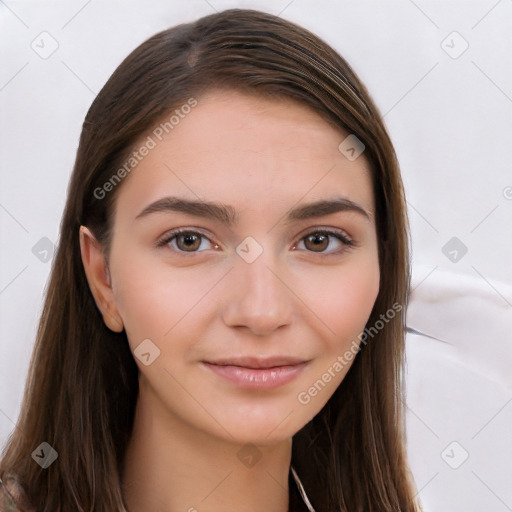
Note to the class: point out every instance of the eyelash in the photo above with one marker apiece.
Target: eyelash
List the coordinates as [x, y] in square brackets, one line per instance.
[347, 242]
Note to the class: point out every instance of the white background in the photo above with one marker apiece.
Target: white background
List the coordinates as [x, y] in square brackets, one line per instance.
[449, 113]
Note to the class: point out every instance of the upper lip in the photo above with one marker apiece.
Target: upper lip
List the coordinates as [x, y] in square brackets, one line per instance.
[258, 362]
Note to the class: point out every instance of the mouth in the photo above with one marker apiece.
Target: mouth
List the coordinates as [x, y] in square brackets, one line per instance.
[257, 373]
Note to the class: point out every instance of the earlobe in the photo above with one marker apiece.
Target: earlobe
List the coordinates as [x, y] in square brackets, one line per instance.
[98, 277]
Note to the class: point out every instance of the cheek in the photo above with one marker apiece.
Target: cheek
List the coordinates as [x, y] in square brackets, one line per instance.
[140, 298]
[343, 305]
[356, 295]
[343, 299]
[154, 300]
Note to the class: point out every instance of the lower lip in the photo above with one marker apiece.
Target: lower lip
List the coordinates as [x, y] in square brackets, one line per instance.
[257, 378]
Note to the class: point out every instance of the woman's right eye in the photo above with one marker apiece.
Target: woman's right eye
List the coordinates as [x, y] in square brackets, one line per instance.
[182, 240]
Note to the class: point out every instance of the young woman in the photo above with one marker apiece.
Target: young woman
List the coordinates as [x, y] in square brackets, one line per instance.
[224, 323]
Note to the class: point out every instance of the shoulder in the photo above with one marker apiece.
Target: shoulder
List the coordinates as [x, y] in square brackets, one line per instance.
[7, 501]
[12, 497]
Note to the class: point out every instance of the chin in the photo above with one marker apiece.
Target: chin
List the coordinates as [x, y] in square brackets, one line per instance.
[264, 424]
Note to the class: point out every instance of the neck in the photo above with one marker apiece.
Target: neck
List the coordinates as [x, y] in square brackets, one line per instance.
[172, 467]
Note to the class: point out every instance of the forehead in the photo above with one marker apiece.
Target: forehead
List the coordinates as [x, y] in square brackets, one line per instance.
[282, 125]
[246, 149]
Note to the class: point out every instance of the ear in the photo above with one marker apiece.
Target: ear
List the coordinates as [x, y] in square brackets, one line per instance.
[98, 277]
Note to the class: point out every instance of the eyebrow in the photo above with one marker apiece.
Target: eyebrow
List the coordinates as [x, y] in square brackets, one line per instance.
[228, 215]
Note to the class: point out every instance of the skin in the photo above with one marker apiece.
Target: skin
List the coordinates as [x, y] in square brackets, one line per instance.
[262, 157]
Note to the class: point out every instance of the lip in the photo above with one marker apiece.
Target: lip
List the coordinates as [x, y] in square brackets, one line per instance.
[258, 362]
[257, 373]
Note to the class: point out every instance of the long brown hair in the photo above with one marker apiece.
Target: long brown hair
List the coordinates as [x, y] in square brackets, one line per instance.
[82, 385]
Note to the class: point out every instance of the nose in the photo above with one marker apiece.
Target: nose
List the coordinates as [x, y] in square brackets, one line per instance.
[257, 296]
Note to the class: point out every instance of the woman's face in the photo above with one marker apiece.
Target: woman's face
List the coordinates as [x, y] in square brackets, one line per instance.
[254, 282]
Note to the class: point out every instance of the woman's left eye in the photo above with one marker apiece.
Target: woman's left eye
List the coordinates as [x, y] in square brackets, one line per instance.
[316, 241]
[319, 240]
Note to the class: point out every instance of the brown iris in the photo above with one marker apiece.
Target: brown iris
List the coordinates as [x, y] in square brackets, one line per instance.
[191, 241]
[320, 241]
